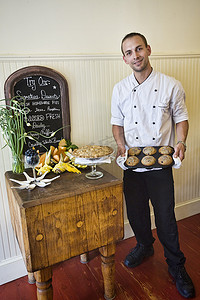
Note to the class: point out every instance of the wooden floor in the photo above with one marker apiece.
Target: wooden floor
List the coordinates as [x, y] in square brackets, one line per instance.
[149, 281]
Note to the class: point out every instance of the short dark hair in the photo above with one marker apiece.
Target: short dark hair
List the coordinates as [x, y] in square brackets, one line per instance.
[130, 35]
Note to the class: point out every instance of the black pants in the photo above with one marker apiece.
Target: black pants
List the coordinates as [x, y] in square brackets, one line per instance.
[157, 186]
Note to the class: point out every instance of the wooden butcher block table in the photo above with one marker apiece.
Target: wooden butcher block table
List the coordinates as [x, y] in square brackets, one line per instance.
[69, 217]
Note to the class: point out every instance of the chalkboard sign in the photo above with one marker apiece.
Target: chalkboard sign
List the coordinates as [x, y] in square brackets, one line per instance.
[46, 95]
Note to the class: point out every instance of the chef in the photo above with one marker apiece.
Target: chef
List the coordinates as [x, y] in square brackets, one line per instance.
[147, 109]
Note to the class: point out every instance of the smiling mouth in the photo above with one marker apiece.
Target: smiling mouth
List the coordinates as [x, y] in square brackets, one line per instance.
[138, 61]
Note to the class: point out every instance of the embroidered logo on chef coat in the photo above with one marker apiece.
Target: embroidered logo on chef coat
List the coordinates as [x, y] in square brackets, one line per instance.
[132, 135]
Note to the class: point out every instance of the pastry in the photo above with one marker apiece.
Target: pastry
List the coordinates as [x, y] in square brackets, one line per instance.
[134, 151]
[165, 150]
[132, 161]
[149, 150]
[165, 160]
[148, 160]
[92, 151]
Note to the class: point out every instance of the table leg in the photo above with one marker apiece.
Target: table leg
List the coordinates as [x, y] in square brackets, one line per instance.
[84, 258]
[44, 284]
[108, 270]
[31, 278]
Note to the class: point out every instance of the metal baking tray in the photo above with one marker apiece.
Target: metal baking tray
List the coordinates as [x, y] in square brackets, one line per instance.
[156, 155]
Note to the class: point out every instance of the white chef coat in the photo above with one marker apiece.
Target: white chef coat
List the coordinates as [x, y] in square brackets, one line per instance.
[148, 111]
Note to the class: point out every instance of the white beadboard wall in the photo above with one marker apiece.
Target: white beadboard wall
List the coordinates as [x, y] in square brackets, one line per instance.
[91, 79]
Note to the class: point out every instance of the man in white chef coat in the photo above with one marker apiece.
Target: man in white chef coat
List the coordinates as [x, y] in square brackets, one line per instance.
[147, 108]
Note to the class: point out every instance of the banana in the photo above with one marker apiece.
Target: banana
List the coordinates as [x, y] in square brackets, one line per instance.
[62, 167]
[47, 167]
[72, 161]
[79, 166]
[71, 168]
[48, 158]
[44, 169]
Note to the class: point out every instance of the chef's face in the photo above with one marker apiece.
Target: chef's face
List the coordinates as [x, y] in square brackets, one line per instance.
[136, 54]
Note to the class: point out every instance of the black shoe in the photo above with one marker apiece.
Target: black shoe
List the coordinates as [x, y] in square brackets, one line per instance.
[137, 254]
[183, 281]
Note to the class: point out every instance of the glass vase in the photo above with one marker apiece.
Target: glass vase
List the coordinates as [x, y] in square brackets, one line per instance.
[18, 164]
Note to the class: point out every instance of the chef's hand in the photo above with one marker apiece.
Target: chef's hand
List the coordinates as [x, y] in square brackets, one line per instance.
[121, 150]
[179, 151]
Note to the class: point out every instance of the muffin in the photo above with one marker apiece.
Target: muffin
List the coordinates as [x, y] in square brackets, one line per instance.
[148, 160]
[134, 151]
[149, 150]
[165, 150]
[132, 161]
[165, 160]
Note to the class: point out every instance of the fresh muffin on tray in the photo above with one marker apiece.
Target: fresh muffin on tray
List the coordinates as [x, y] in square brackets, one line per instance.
[149, 150]
[165, 160]
[165, 150]
[134, 151]
[148, 160]
[132, 161]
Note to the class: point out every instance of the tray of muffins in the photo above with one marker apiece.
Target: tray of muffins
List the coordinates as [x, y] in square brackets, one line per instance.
[150, 157]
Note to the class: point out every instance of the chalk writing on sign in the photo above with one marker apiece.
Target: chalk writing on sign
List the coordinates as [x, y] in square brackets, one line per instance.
[42, 95]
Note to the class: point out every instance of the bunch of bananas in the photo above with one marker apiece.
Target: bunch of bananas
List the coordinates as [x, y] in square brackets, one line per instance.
[62, 167]
[56, 159]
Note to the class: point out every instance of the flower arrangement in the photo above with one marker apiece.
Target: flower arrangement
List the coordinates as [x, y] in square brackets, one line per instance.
[12, 118]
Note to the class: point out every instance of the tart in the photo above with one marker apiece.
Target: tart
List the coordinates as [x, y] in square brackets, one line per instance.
[92, 151]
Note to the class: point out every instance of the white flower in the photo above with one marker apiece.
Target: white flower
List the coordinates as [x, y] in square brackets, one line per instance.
[30, 137]
[52, 134]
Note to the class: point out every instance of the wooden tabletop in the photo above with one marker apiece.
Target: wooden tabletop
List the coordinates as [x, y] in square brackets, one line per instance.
[67, 185]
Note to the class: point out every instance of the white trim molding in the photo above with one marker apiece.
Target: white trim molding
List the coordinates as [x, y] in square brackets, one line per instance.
[11, 269]
[99, 56]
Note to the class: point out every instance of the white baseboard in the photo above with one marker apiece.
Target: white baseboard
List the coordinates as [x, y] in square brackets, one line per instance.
[13, 268]
[187, 209]
[182, 211]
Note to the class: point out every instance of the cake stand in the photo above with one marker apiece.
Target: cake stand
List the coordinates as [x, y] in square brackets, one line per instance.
[94, 174]
[93, 162]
